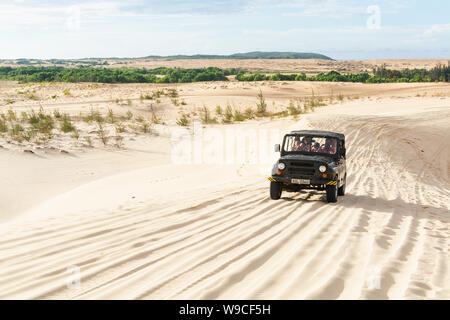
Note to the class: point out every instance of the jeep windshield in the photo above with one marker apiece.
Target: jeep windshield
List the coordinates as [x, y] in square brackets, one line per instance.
[309, 145]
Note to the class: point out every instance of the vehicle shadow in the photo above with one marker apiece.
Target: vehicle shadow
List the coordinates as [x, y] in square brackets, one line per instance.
[304, 195]
[397, 206]
[369, 204]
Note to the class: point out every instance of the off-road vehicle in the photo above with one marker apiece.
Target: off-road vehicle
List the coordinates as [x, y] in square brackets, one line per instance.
[310, 159]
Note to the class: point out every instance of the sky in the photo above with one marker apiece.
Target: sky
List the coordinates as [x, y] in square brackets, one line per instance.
[341, 29]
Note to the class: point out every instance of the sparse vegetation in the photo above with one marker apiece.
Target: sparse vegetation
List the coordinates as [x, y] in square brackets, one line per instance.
[88, 140]
[94, 116]
[183, 120]
[249, 113]
[67, 125]
[261, 105]
[110, 126]
[3, 126]
[110, 117]
[75, 135]
[145, 127]
[120, 128]
[57, 114]
[206, 116]
[155, 119]
[11, 115]
[119, 141]
[32, 96]
[146, 97]
[101, 133]
[15, 131]
[172, 93]
[238, 116]
[295, 108]
[228, 118]
[129, 115]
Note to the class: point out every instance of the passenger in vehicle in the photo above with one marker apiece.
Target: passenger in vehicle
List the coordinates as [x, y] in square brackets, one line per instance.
[305, 146]
[315, 147]
[297, 144]
[329, 146]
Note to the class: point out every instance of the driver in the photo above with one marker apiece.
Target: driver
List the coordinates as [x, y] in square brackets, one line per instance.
[329, 146]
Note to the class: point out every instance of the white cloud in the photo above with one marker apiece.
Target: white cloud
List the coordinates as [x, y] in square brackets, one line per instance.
[437, 29]
[323, 8]
[21, 14]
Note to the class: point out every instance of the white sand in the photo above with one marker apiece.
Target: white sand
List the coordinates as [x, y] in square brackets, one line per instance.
[140, 227]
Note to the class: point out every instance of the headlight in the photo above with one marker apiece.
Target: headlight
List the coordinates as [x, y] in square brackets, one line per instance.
[322, 168]
[281, 166]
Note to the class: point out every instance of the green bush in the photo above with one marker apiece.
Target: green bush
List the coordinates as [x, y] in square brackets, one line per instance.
[183, 120]
[3, 126]
[294, 109]
[249, 113]
[206, 116]
[238, 116]
[228, 117]
[261, 105]
[67, 125]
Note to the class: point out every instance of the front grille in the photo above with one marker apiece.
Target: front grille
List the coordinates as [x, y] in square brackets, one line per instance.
[301, 169]
[301, 164]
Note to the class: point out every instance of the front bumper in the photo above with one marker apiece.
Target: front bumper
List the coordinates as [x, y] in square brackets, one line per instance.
[315, 181]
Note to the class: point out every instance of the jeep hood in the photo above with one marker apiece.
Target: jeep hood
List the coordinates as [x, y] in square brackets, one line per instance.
[303, 157]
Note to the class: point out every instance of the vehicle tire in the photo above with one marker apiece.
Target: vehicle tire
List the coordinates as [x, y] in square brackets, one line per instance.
[341, 189]
[332, 193]
[275, 190]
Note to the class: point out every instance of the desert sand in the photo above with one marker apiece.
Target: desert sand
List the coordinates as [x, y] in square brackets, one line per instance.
[135, 225]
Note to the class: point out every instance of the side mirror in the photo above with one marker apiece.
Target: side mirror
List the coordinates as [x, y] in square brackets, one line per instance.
[276, 148]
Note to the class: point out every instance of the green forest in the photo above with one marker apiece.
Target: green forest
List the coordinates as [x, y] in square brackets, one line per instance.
[180, 75]
[117, 75]
[379, 75]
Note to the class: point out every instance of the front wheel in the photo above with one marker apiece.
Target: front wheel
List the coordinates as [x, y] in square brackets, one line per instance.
[275, 190]
[332, 193]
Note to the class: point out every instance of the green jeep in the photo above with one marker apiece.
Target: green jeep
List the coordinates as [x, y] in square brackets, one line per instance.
[310, 159]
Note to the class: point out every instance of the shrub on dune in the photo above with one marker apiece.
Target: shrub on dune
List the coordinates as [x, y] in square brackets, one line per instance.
[67, 125]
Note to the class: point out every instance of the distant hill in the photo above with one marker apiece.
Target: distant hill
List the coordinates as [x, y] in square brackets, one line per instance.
[248, 55]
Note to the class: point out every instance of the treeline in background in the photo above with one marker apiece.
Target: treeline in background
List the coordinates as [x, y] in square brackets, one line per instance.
[440, 73]
[179, 75]
[114, 75]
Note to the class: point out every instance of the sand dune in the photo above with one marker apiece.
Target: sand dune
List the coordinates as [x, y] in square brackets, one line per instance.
[162, 231]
